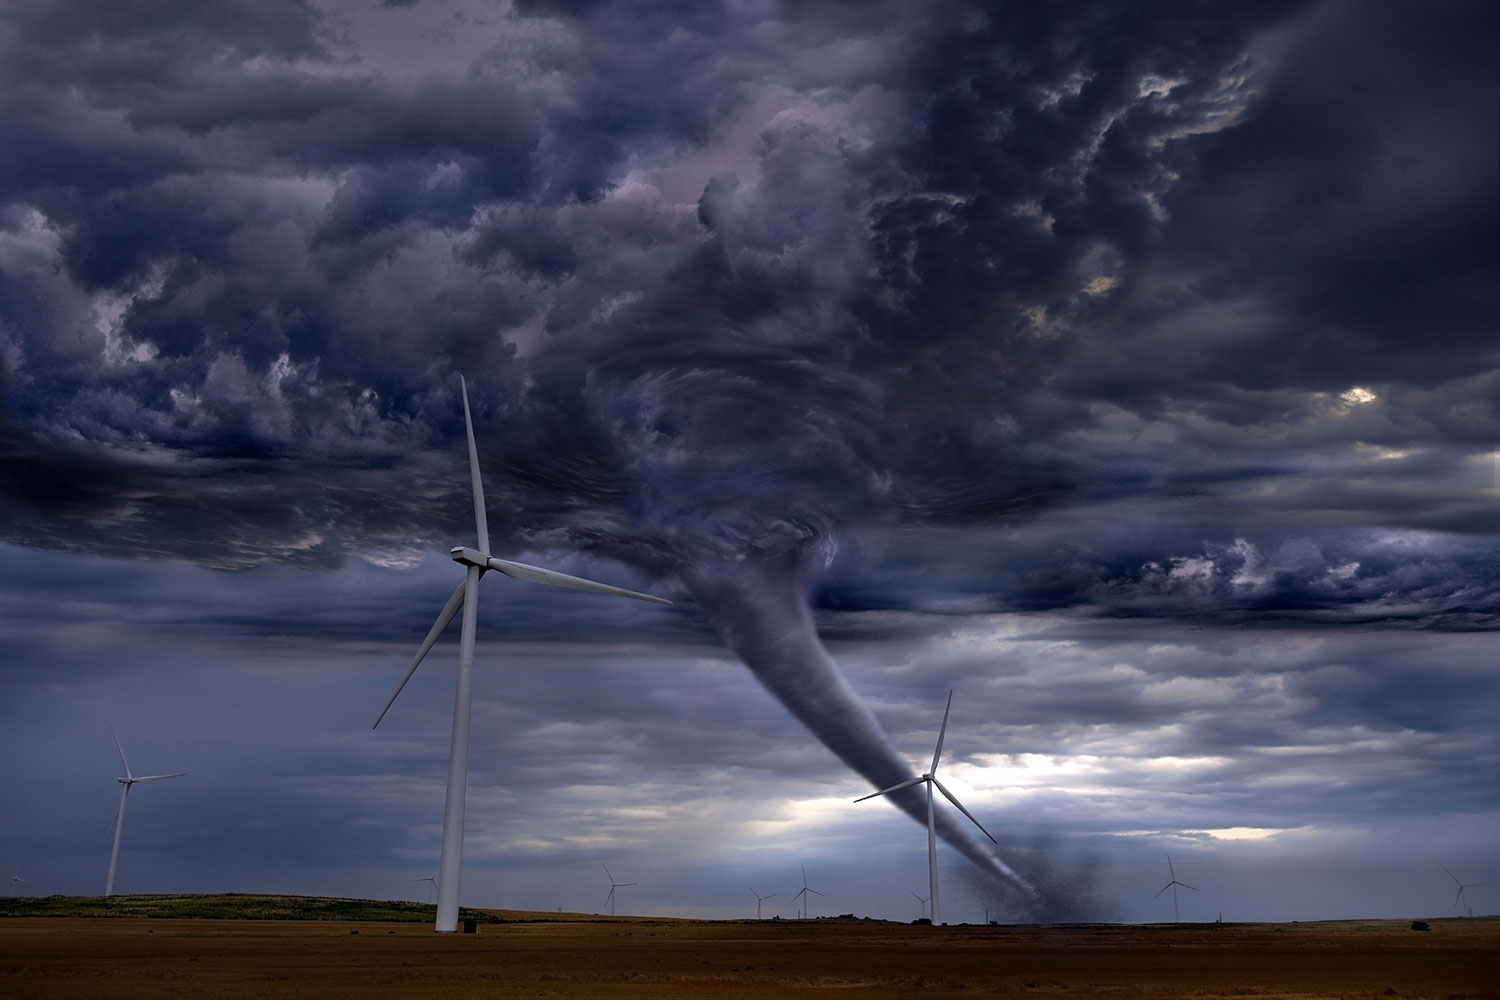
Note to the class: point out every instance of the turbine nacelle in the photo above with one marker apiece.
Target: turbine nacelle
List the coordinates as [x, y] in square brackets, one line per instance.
[469, 557]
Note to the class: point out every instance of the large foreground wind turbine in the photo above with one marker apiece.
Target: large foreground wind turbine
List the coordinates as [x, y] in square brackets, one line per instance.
[613, 885]
[475, 563]
[930, 778]
[118, 824]
[1173, 886]
[1460, 900]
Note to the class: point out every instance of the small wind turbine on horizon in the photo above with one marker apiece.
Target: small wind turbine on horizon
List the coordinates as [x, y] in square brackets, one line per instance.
[923, 901]
[759, 898]
[930, 779]
[118, 823]
[805, 890]
[1460, 899]
[1173, 886]
[17, 878]
[432, 889]
[476, 563]
[613, 885]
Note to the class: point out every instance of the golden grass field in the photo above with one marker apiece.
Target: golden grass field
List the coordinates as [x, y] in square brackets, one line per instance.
[562, 955]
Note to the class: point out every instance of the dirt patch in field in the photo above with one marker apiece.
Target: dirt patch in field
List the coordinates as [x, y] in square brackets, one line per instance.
[641, 958]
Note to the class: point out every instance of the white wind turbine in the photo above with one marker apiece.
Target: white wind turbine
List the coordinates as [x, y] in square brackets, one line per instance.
[922, 900]
[432, 879]
[613, 885]
[759, 898]
[1173, 886]
[475, 562]
[930, 779]
[17, 878]
[805, 890]
[118, 823]
[1461, 900]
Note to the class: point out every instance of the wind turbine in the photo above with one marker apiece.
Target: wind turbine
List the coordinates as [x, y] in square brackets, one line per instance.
[930, 778]
[475, 562]
[613, 885]
[1173, 886]
[1461, 901]
[803, 894]
[923, 901]
[17, 878]
[118, 823]
[431, 879]
[758, 898]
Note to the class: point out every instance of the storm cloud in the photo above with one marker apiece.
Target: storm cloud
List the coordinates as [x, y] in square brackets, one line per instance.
[917, 323]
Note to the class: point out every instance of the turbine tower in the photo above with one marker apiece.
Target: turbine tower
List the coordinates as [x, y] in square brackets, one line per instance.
[118, 823]
[923, 901]
[930, 778]
[613, 885]
[758, 899]
[1461, 900]
[475, 562]
[1173, 886]
[803, 894]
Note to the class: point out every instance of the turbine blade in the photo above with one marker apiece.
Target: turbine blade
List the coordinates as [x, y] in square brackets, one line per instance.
[1451, 875]
[1186, 886]
[964, 811]
[1458, 895]
[162, 777]
[481, 527]
[127, 763]
[1169, 866]
[817, 893]
[941, 733]
[624, 884]
[606, 872]
[1163, 889]
[894, 788]
[536, 574]
[449, 610]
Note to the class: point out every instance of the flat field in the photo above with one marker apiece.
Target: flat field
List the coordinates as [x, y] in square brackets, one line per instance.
[556, 955]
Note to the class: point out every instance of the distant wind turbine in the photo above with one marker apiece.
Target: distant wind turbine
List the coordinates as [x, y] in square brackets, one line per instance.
[1460, 900]
[923, 901]
[613, 885]
[17, 878]
[476, 562]
[1173, 886]
[805, 890]
[759, 898]
[118, 823]
[930, 779]
[433, 880]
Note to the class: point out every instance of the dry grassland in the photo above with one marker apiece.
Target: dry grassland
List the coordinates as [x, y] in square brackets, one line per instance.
[71, 957]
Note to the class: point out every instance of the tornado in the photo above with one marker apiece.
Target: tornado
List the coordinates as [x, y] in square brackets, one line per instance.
[760, 609]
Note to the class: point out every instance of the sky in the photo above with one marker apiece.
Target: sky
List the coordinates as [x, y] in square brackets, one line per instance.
[1128, 370]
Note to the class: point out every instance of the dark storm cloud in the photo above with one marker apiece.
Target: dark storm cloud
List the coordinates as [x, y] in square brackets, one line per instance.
[1167, 317]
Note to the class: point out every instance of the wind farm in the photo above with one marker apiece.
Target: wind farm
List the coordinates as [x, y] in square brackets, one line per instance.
[1127, 371]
